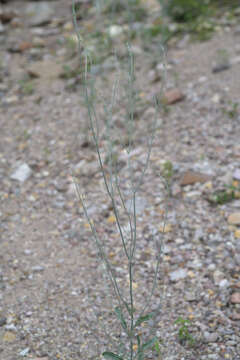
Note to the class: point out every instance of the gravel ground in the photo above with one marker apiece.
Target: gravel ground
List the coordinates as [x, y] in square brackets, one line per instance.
[54, 299]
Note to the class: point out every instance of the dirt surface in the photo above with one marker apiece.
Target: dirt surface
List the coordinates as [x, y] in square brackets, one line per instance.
[53, 297]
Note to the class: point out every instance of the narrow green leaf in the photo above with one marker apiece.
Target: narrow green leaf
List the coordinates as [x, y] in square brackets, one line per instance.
[110, 355]
[149, 344]
[143, 318]
[120, 317]
[139, 341]
[182, 321]
[139, 354]
[157, 347]
[128, 308]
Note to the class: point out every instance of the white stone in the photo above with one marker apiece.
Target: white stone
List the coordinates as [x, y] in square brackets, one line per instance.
[179, 241]
[223, 283]
[115, 30]
[236, 174]
[178, 274]
[22, 173]
[2, 28]
[24, 352]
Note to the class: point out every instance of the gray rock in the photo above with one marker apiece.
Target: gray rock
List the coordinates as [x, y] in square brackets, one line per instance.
[24, 352]
[237, 259]
[3, 321]
[179, 241]
[237, 30]
[115, 30]
[236, 174]
[141, 204]
[39, 13]
[22, 173]
[220, 67]
[178, 274]
[149, 114]
[47, 69]
[227, 178]
[210, 337]
[235, 60]
[166, 249]
[212, 357]
[37, 268]
[195, 264]
[2, 28]
[224, 283]
[10, 327]
[190, 296]
[87, 168]
[153, 76]
[45, 32]
[218, 277]
[199, 234]
[237, 12]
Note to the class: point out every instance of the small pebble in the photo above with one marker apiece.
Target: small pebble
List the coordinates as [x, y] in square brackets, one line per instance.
[3, 321]
[22, 173]
[210, 337]
[178, 275]
[37, 268]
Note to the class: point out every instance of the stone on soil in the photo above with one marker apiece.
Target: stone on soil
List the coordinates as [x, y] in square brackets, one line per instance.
[6, 15]
[235, 298]
[40, 13]
[224, 283]
[178, 274]
[218, 276]
[153, 76]
[46, 69]
[3, 321]
[236, 174]
[37, 268]
[234, 218]
[210, 337]
[237, 234]
[9, 336]
[115, 31]
[192, 177]
[235, 316]
[24, 352]
[173, 96]
[220, 67]
[22, 173]
[87, 168]
[2, 28]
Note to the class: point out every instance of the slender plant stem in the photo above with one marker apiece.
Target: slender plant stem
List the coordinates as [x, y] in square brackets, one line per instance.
[113, 187]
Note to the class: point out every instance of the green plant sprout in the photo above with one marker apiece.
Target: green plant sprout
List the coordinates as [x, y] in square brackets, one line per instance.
[167, 174]
[184, 10]
[184, 335]
[27, 86]
[222, 197]
[168, 170]
[231, 110]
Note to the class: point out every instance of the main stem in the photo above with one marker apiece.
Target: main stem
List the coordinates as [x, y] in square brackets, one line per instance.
[132, 306]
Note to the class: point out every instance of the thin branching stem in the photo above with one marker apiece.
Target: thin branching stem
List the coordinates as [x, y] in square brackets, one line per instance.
[115, 210]
[156, 272]
[101, 251]
[113, 186]
[125, 208]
